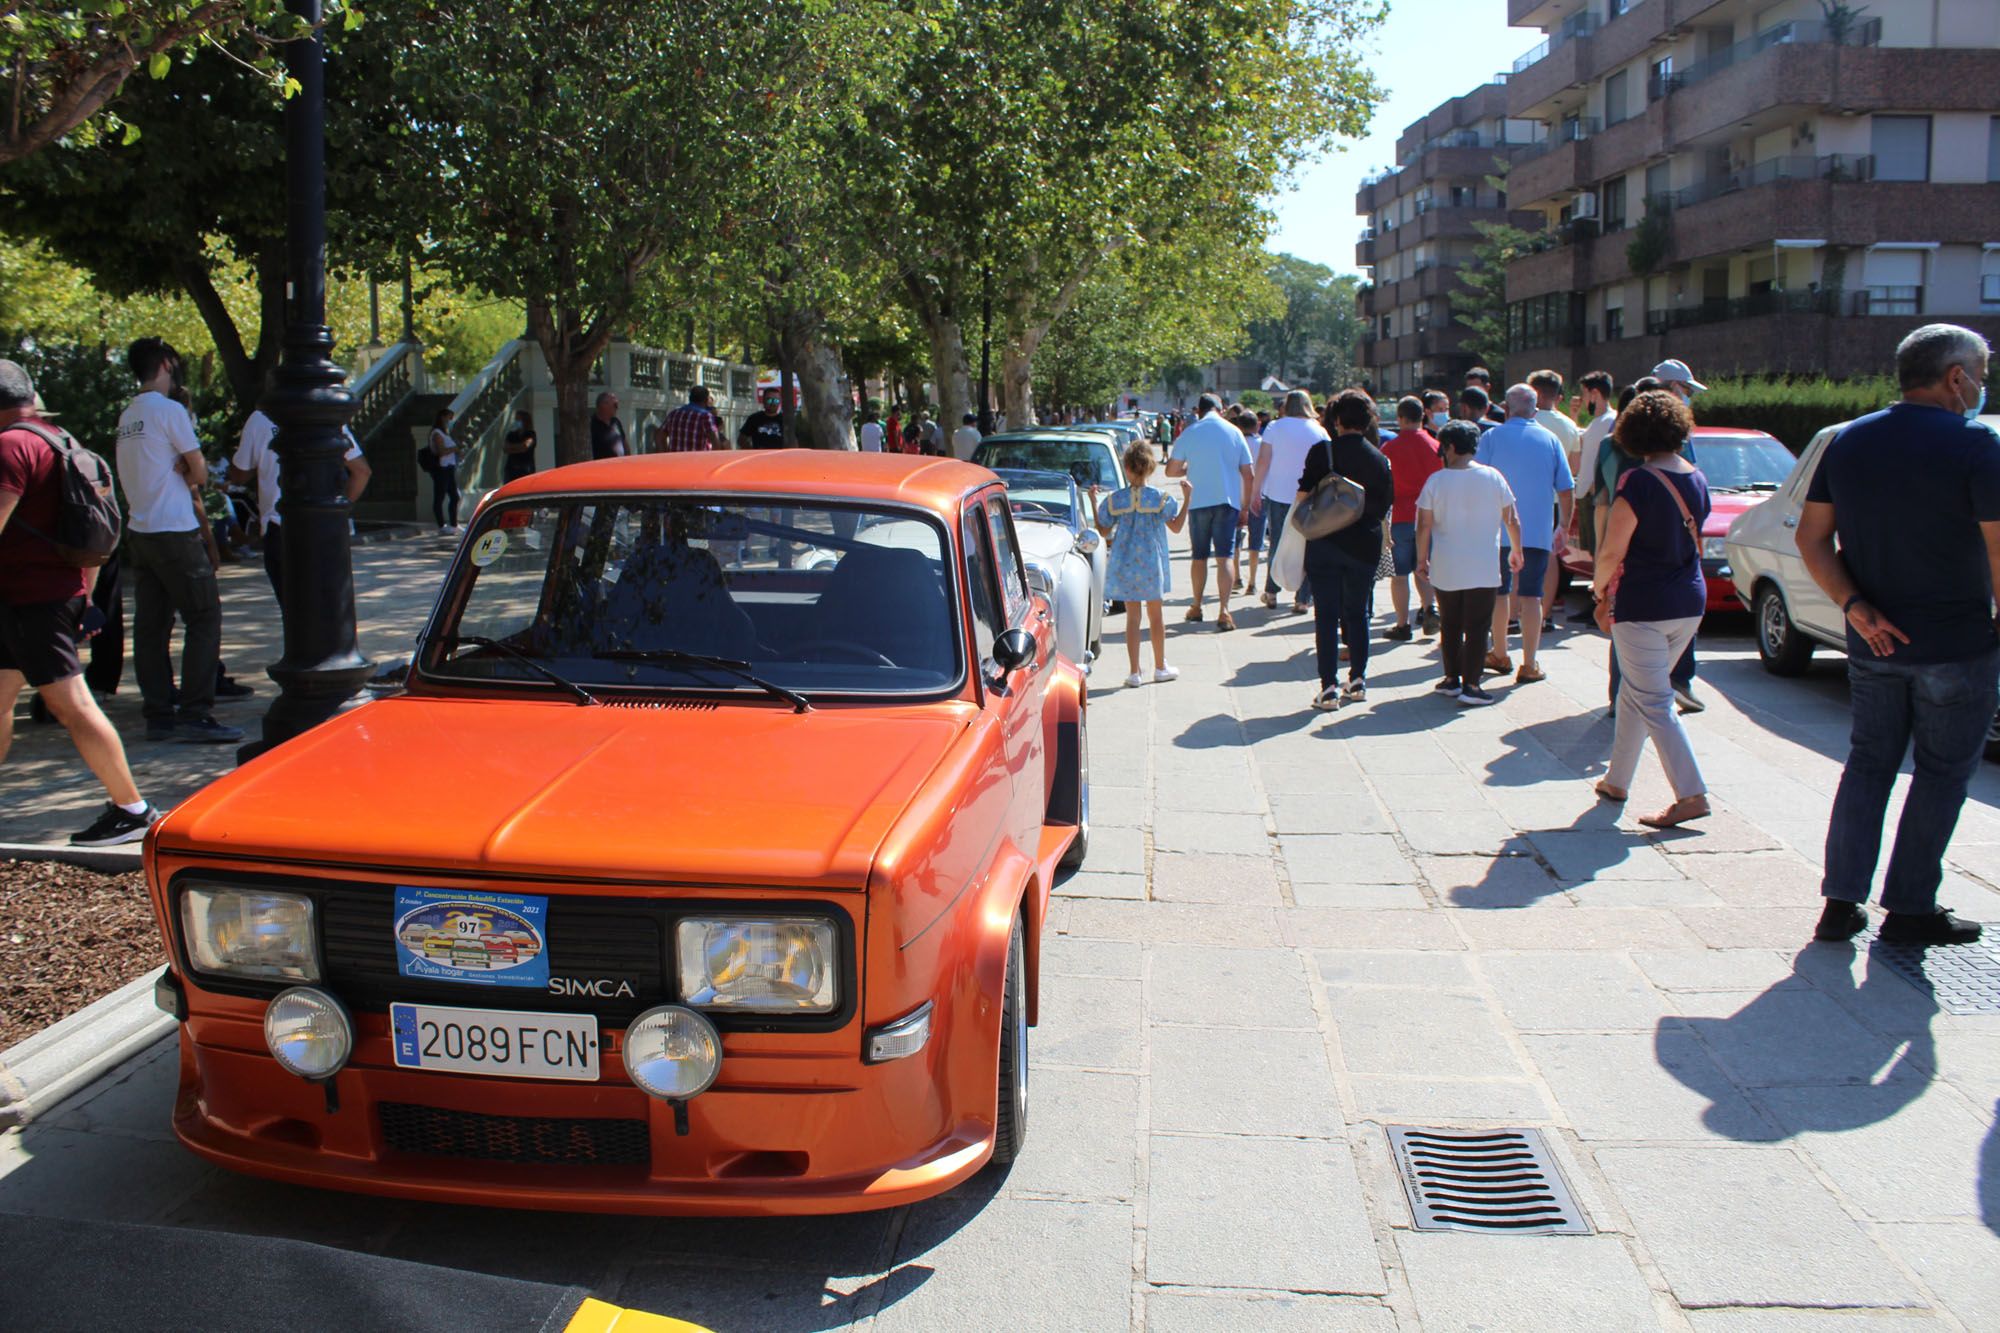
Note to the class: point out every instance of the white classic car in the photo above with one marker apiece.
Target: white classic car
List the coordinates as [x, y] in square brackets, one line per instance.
[1063, 553]
[1792, 615]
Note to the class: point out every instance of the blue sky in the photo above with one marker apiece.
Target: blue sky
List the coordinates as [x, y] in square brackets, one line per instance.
[1426, 52]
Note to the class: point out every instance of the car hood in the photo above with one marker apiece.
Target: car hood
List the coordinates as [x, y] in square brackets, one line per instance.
[1043, 540]
[1724, 507]
[692, 792]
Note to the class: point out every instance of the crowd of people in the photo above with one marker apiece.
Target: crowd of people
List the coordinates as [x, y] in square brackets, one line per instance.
[1471, 500]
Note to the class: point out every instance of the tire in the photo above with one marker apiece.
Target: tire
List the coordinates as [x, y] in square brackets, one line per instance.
[1010, 1119]
[1080, 848]
[1785, 651]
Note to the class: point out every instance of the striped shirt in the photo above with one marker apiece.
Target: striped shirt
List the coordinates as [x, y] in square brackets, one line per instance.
[689, 429]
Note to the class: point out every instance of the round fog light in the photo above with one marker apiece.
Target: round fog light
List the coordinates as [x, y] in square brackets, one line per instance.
[309, 1032]
[672, 1053]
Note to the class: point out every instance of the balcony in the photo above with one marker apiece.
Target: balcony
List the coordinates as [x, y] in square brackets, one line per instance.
[1580, 24]
[1795, 33]
[1364, 249]
[1746, 307]
[1836, 167]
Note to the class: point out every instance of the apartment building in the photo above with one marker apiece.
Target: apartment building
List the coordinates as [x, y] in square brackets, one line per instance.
[1420, 231]
[1753, 186]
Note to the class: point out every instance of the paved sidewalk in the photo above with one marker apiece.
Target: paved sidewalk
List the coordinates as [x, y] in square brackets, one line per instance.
[1294, 930]
[46, 793]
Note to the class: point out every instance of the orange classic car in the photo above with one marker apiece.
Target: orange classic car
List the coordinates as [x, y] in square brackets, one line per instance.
[772, 835]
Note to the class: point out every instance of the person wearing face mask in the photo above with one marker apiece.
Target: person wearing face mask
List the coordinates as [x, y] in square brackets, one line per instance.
[1901, 529]
[1437, 409]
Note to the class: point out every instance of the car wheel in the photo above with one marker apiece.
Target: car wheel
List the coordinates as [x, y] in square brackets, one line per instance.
[1010, 1120]
[1784, 650]
[1080, 848]
[1993, 739]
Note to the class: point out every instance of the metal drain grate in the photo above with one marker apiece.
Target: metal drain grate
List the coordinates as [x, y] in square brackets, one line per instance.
[1484, 1180]
[1962, 978]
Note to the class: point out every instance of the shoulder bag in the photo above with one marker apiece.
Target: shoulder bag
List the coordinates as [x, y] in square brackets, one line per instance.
[1335, 503]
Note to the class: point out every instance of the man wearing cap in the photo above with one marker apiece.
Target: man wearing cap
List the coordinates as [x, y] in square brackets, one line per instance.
[1679, 380]
[45, 614]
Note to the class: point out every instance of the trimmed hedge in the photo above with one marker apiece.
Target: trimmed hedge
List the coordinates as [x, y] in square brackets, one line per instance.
[1794, 410]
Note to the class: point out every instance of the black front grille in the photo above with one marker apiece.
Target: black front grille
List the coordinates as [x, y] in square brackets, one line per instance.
[619, 941]
[428, 1131]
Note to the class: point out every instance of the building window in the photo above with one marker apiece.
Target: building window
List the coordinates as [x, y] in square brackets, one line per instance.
[1659, 185]
[1611, 205]
[1989, 282]
[1614, 98]
[1993, 149]
[1614, 323]
[1893, 282]
[1902, 148]
[1660, 78]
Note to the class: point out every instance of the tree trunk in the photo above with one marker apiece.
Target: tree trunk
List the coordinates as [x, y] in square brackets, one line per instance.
[246, 383]
[787, 370]
[949, 372]
[572, 384]
[571, 349]
[1017, 386]
[829, 395]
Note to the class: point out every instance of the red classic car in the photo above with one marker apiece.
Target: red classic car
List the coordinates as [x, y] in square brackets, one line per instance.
[1744, 468]
[772, 841]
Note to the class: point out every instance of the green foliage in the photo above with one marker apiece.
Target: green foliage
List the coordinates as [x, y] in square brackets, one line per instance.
[1483, 307]
[1255, 399]
[1314, 339]
[1794, 410]
[1652, 235]
[66, 61]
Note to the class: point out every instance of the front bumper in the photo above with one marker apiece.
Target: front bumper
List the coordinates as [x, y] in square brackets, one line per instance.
[1720, 578]
[787, 1129]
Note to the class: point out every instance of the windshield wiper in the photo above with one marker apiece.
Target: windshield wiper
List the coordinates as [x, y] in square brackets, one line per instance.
[583, 696]
[733, 666]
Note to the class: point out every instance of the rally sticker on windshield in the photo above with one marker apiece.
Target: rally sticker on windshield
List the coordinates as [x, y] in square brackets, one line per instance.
[492, 544]
[478, 939]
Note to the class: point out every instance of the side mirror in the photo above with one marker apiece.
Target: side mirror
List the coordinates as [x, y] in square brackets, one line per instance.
[1087, 542]
[1013, 650]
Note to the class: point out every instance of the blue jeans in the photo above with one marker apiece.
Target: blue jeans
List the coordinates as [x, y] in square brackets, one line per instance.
[1275, 513]
[1346, 603]
[1943, 708]
[1212, 532]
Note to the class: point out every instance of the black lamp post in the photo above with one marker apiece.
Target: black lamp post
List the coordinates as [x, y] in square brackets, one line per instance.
[322, 665]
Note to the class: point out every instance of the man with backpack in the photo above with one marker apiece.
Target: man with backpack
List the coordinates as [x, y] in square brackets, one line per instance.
[160, 466]
[48, 529]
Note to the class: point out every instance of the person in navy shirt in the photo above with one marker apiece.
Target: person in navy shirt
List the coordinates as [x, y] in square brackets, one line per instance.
[1901, 528]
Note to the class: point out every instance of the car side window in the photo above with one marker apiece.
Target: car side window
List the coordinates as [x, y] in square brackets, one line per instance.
[1007, 559]
[987, 620]
[1802, 474]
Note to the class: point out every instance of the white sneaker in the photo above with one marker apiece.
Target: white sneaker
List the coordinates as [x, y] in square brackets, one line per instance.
[1134, 681]
[1165, 674]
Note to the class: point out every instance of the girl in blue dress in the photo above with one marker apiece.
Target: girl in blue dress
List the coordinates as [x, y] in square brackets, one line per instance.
[1135, 521]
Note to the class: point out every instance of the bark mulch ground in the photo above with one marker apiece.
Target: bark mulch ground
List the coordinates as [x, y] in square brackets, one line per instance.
[68, 936]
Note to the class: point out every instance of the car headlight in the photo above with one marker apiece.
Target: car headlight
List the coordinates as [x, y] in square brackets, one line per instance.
[1042, 579]
[243, 932]
[1715, 548]
[309, 1032]
[672, 1053]
[777, 964]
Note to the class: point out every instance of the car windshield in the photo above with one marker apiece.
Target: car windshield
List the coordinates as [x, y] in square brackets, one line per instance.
[619, 590]
[1742, 462]
[1088, 463]
[1043, 495]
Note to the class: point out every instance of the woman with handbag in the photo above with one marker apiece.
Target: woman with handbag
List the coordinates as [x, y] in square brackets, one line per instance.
[1650, 595]
[1344, 495]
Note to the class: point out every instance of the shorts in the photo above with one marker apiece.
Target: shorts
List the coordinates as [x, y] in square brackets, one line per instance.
[1212, 530]
[1403, 547]
[39, 640]
[1258, 518]
[1534, 571]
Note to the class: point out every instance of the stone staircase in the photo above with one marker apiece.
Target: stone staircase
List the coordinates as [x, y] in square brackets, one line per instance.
[398, 487]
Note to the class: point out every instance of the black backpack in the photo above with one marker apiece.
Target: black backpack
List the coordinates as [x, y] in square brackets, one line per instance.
[87, 519]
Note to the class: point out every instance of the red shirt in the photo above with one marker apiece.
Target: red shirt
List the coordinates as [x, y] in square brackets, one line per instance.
[1413, 458]
[30, 569]
[689, 429]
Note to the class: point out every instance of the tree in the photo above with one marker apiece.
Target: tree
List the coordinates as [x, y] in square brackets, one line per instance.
[1313, 337]
[574, 148]
[175, 207]
[1483, 307]
[66, 62]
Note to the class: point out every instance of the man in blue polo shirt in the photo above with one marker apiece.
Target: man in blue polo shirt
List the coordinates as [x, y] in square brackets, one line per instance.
[1912, 495]
[1530, 457]
[1215, 458]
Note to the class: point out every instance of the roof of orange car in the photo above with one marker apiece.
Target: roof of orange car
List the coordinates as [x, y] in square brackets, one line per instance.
[934, 483]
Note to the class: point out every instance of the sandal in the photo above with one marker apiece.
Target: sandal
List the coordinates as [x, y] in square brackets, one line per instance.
[1680, 812]
[1224, 623]
[1606, 792]
[1193, 613]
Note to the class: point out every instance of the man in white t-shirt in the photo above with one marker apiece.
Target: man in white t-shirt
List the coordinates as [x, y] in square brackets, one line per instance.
[966, 438]
[1548, 387]
[1281, 459]
[161, 469]
[871, 430]
[256, 461]
[1461, 513]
